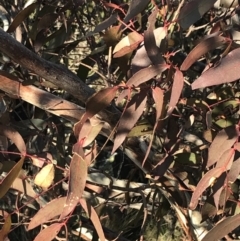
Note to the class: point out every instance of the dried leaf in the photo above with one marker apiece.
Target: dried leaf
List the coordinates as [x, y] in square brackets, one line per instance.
[223, 228]
[21, 16]
[178, 82]
[130, 117]
[45, 177]
[193, 11]
[48, 212]
[11, 176]
[5, 228]
[49, 233]
[77, 182]
[225, 72]
[14, 136]
[206, 45]
[207, 180]
[222, 142]
[94, 218]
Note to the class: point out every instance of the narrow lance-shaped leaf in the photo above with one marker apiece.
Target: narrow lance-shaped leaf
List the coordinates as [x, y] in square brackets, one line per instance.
[193, 11]
[49, 233]
[21, 16]
[225, 72]
[11, 176]
[48, 212]
[178, 82]
[146, 74]
[202, 48]
[94, 218]
[136, 7]
[77, 182]
[157, 94]
[106, 23]
[207, 180]
[129, 118]
[223, 228]
[222, 142]
[14, 136]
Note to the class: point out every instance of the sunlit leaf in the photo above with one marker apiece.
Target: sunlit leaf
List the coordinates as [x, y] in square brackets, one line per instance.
[49, 233]
[178, 82]
[222, 142]
[223, 228]
[225, 72]
[77, 182]
[207, 44]
[207, 180]
[21, 16]
[94, 218]
[11, 176]
[45, 177]
[48, 212]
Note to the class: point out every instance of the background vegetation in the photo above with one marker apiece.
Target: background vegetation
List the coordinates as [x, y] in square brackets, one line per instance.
[119, 120]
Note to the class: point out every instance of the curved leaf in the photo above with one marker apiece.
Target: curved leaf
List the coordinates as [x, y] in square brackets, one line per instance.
[193, 11]
[202, 48]
[48, 212]
[45, 177]
[94, 218]
[223, 228]
[227, 71]
[178, 82]
[130, 117]
[49, 233]
[11, 176]
[207, 180]
[77, 182]
[21, 16]
[221, 143]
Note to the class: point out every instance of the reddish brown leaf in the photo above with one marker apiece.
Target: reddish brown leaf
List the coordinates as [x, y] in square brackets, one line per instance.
[234, 171]
[226, 159]
[14, 136]
[223, 228]
[48, 212]
[225, 72]
[127, 44]
[94, 218]
[77, 182]
[222, 142]
[206, 45]
[49, 233]
[129, 118]
[21, 16]
[207, 180]
[100, 100]
[11, 176]
[152, 47]
[177, 87]
[193, 11]
[157, 94]
[146, 74]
